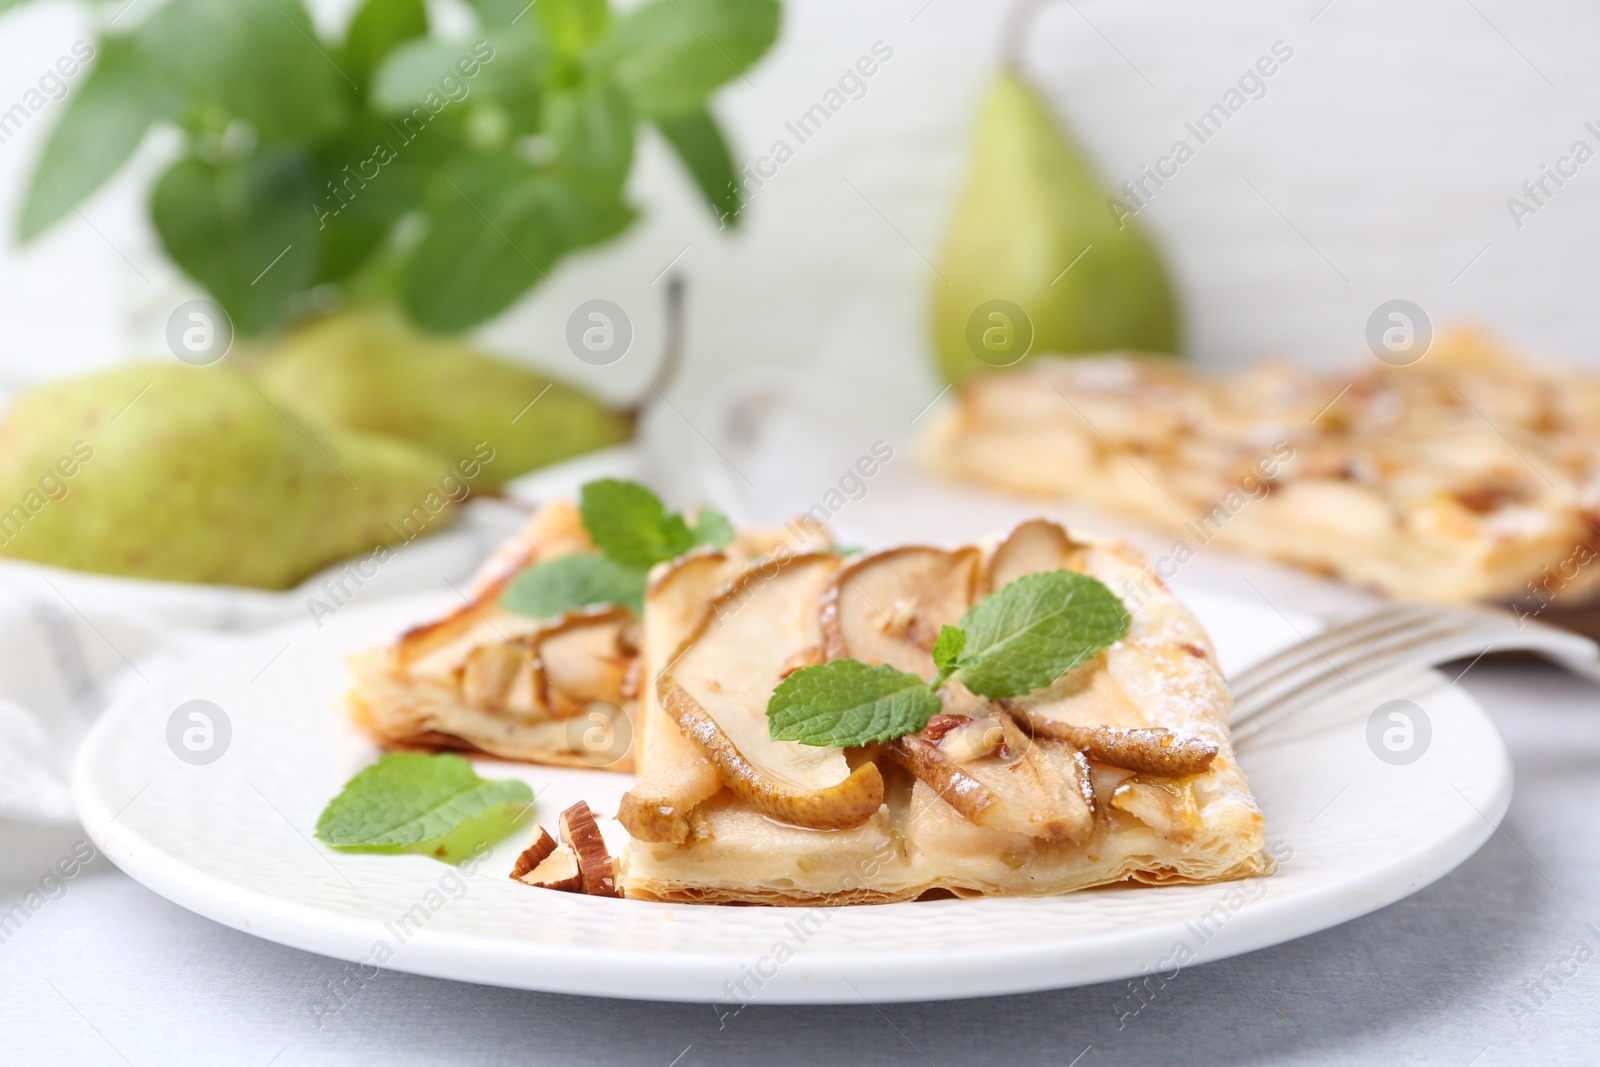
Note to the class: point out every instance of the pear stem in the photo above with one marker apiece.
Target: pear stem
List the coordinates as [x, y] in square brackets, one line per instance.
[1014, 32]
[671, 350]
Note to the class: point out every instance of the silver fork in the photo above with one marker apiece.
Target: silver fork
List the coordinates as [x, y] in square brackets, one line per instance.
[1391, 639]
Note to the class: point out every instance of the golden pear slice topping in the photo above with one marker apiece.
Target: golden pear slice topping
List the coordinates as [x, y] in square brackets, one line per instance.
[1033, 547]
[1022, 786]
[739, 653]
[888, 607]
[717, 690]
[1147, 750]
[840, 806]
[676, 776]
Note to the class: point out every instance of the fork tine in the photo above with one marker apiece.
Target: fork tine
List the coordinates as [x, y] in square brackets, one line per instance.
[1317, 650]
[1436, 646]
[1352, 657]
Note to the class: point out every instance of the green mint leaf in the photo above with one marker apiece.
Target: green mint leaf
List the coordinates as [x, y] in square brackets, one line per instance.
[592, 128]
[573, 25]
[630, 524]
[713, 528]
[243, 230]
[495, 227]
[354, 216]
[103, 124]
[410, 802]
[947, 651]
[567, 583]
[668, 55]
[1026, 634]
[377, 29]
[499, 12]
[847, 703]
[699, 145]
[257, 60]
[440, 76]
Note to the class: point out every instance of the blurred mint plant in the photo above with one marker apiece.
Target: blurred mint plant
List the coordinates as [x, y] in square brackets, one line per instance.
[449, 175]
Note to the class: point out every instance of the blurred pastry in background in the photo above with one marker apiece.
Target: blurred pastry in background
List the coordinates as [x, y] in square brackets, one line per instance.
[1470, 475]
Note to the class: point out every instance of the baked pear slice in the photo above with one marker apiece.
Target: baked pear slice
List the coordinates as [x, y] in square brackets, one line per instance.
[583, 658]
[1023, 787]
[1030, 548]
[842, 806]
[718, 686]
[888, 607]
[676, 777]
[1150, 750]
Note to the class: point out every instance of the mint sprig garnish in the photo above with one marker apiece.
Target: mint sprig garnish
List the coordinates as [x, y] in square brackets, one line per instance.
[632, 527]
[561, 585]
[847, 703]
[947, 649]
[1034, 630]
[434, 805]
[634, 531]
[1020, 638]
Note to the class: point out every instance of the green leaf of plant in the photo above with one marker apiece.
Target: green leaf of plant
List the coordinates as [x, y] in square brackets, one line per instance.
[573, 25]
[243, 230]
[630, 524]
[102, 126]
[435, 75]
[406, 800]
[668, 55]
[1030, 632]
[699, 145]
[847, 703]
[364, 181]
[592, 128]
[947, 649]
[500, 12]
[258, 60]
[567, 583]
[377, 29]
[495, 227]
[713, 528]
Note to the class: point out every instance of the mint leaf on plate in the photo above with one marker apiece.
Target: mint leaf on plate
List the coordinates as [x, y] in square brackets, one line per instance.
[847, 703]
[1030, 632]
[564, 584]
[410, 802]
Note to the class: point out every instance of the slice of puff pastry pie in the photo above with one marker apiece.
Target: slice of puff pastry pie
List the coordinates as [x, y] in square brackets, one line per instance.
[816, 729]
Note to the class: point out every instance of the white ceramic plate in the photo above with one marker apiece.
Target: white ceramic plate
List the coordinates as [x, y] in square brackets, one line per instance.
[232, 840]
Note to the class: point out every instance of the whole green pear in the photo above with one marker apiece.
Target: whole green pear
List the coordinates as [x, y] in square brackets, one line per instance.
[1031, 208]
[367, 369]
[190, 474]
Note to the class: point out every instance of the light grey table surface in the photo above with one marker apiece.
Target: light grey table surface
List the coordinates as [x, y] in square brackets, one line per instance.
[1490, 965]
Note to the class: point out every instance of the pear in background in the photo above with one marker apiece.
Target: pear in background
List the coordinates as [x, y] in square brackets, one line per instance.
[1030, 208]
[190, 474]
[367, 369]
